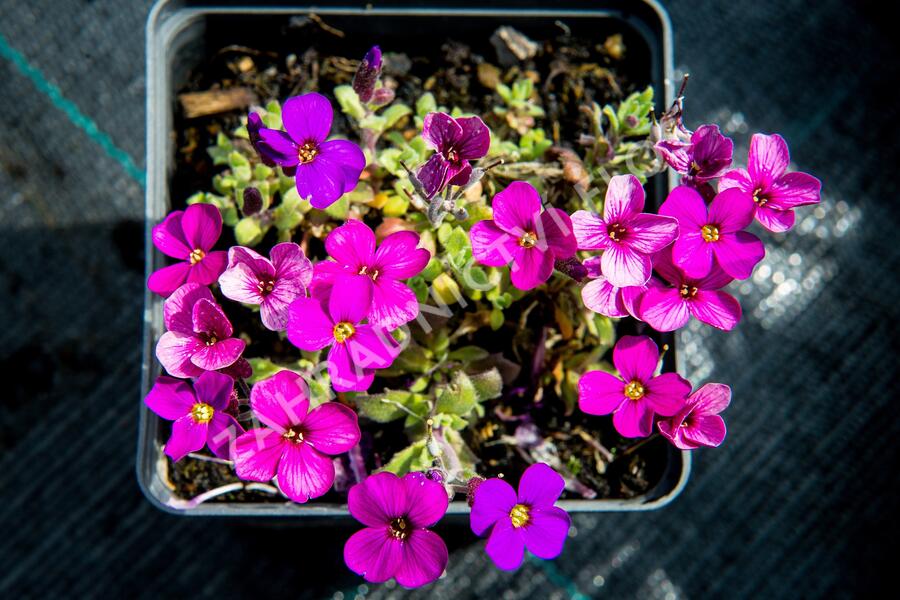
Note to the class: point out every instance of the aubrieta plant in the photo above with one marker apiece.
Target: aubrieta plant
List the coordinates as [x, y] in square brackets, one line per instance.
[421, 301]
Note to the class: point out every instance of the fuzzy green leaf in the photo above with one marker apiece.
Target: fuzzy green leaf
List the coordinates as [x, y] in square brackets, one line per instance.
[349, 102]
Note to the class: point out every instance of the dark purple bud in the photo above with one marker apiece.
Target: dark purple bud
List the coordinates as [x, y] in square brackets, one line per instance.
[471, 487]
[382, 96]
[254, 124]
[367, 74]
[253, 201]
[571, 267]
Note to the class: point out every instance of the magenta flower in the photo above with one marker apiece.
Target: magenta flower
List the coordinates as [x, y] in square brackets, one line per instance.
[188, 235]
[356, 350]
[456, 142]
[324, 170]
[272, 284]
[198, 414]
[352, 248]
[199, 334]
[528, 519]
[604, 298]
[703, 158]
[774, 192]
[627, 236]
[523, 235]
[396, 542]
[717, 232]
[636, 394]
[670, 308]
[698, 424]
[296, 443]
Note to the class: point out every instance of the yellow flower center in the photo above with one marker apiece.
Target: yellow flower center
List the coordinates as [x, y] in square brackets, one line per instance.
[688, 291]
[343, 331]
[202, 412]
[196, 255]
[616, 232]
[758, 198]
[211, 340]
[695, 168]
[710, 233]
[265, 286]
[293, 435]
[307, 152]
[529, 240]
[365, 271]
[520, 515]
[399, 528]
[634, 390]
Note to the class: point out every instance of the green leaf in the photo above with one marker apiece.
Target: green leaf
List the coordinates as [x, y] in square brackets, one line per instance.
[468, 354]
[414, 457]
[349, 102]
[374, 123]
[383, 408]
[425, 104]
[339, 209]
[396, 206]
[457, 241]
[488, 385]
[240, 166]
[496, 319]
[248, 232]
[457, 398]
[432, 270]
[394, 113]
[420, 287]
[263, 368]
[504, 92]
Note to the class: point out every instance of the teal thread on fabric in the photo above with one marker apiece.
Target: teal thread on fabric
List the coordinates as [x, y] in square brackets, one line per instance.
[71, 111]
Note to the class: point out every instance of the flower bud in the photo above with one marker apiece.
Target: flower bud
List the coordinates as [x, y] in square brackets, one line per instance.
[471, 487]
[367, 74]
[253, 201]
[382, 96]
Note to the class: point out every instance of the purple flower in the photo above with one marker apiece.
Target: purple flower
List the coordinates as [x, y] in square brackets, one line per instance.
[356, 350]
[698, 424]
[703, 158]
[627, 236]
[352, 248]
[199, 334]
[456, 141]
[296, 443]
[523, 235]
[774, 192]
[396, 542]
[324, 170]
[272, 284]
[367, 74]
[188, 235]
[604, 298]
[637, 394]
[198, 414]
[716, 232]
[670, 308]
[524, 520]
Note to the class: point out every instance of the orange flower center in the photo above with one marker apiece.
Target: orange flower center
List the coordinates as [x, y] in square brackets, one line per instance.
[399, 528]
[710, 233]
[293, 435]
[196, 255]
[202, 412]
[688, 291]
[529, 240]
[307, 152]
[634, 390]
[616, 232]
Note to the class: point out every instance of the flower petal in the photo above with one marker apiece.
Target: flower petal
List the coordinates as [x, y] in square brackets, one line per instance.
[426, 500]
[440, 130]
[202, 226]
[711, 151]
[634, 419]
[636, 358]
[693, 254]
[187, 436]
[241, 284]
[304, 473]
[736, 178]
[546, 532]
[474, 140]
[276, 146]
[168, 236]
[776, 221]
[494, 499]
[178, 309]
[540, 486]
[711, 399]
[506, 545]
[600, 393]
[307, 118]
[666, 393]
[434, 175]
[590, 231]
[281, 400]
[731, 210]
[517, 208]
[208, 317]
[168, 279]
[424, 558]
[398, 256]
[352, 245]
[664, 309]
[709, 431]
[624, 199]
[794, 189]
[320, 181]
[291, 263]
[372, 347]
[352, 301]
[380, 498]
[687, 205]
[248, 256]
[309, 327]
[345, 375]
[170, 398]
[651, 233]
[332, 428]
[373, 553]
[393, 304]
[221, 434]
[218, 355]
[491, 245]
[738, 253]
[768, 159]
[257, 453]
[214, 389]
[676, 154]
[624, 267]
[716, 308]
[555, 227]
[174, 350]
[348, 157]
[207, 271]
[603, 297]
[275, 308]
[531, 268]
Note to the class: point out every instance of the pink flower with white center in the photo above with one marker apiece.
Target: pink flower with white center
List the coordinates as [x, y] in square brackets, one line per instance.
[703, 158]
[522, 235]
[296, 443]
[198, 414]
[627, 236]
[352, 250]
[713, 233]
[199, 334]
[189, 236]
[637, 394]
[698, 424]
[774, 191]
[356, 350]
[670, 308]
[272, 284]
[604, 298]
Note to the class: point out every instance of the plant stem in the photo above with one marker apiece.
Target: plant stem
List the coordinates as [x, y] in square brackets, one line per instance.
[634, 447]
